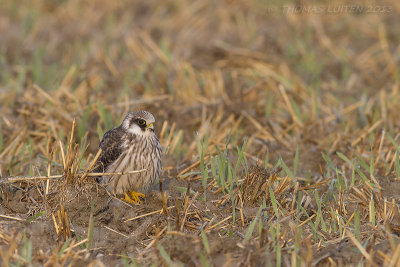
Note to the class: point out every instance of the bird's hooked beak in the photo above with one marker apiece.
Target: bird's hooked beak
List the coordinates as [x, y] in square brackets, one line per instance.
[150, 127]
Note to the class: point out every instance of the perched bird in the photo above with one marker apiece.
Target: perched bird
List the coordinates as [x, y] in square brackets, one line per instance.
[131, 146]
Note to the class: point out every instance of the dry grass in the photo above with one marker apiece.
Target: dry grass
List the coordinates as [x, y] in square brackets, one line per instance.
[280, 131]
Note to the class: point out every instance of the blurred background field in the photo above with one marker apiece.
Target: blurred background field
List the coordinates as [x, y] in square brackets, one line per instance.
[278, 119]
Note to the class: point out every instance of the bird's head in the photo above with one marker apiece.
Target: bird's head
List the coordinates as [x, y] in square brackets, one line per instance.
[139, 122]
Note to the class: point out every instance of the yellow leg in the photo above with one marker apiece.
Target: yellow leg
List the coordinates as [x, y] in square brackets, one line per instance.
[133, 197]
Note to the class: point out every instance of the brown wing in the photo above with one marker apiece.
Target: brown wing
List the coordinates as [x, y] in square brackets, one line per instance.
[111, 146]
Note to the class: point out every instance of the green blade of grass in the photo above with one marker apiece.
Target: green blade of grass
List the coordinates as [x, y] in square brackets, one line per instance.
[296, 161]
[64, 247]
[34, 217]
[165, 255]
[273, 201]
[359, 172]
[100, 131]
[250, 229]
[205, 242]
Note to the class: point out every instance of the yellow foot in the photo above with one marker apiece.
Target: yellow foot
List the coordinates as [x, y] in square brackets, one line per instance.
[134, 197]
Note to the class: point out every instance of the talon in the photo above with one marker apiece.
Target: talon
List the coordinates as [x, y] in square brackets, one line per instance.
[134, 197]
[137, 196]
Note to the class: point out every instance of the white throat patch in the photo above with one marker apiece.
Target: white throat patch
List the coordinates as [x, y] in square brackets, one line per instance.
[134, 129]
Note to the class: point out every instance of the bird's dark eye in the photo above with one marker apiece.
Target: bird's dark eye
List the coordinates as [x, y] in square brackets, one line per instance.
[141, 122]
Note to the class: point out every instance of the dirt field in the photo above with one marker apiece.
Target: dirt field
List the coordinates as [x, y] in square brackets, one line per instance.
[279, 122]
